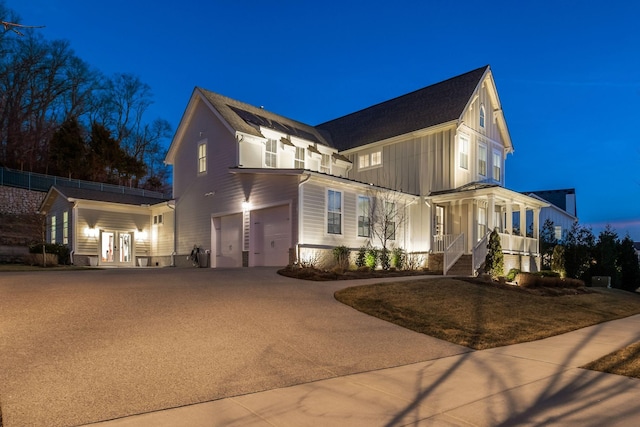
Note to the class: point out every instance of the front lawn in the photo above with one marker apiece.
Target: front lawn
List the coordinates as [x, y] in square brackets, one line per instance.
[483, 315]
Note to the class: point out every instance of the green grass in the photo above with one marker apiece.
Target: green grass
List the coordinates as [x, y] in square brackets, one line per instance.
[482, 315]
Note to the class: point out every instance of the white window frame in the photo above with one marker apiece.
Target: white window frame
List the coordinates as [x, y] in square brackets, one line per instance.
[557, 230]
[482, 160]
[52, 235]
[482, 117]
[298, 162]
[331, 210]
[65, 228]
[271, 153]
[496, 172]
[463, 152]
[370, 160]
[482, 222]
[325, 163]
[202, 157]
[365, 214]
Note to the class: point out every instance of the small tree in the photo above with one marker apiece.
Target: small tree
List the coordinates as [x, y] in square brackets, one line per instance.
[629, 267]
[579, 246]
[387, 216]
[557, 260]
[494, 261]
[548, 242]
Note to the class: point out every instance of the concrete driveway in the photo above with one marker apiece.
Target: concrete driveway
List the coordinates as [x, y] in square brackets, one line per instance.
[84, 346]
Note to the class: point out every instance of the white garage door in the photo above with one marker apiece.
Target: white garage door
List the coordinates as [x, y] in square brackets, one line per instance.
[228, 241]
[271, 232]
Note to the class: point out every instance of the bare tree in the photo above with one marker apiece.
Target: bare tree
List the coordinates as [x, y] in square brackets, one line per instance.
[387, 216]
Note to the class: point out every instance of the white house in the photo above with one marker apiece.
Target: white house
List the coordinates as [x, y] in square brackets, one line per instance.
[256, 188]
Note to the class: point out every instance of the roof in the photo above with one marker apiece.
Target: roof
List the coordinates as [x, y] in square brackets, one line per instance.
[248, 119]
[106, 196]
[433, 105]
[555, 197]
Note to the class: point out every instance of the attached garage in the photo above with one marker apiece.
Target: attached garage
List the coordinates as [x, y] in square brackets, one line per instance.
[227, 241]
[270, 236]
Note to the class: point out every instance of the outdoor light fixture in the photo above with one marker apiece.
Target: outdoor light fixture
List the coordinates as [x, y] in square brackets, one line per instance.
[141, 235]
[91, 232]
[246, 205]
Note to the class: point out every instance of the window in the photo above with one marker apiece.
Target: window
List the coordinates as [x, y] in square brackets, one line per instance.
[369, 160]
[270, 150]
[482, 160]
[390, 220]
[157, 219]
[325, 164]
[464, 151]
[334, 212]
[558, 232]
[202, 157]
[497, 166]
[52, 238]
[364, 216]
[482, 222]
[65, 228]
[482, 116]
[299, 160]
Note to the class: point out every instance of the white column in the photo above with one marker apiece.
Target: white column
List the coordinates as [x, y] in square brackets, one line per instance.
[491, 207]
[509, 224]
[523, 220]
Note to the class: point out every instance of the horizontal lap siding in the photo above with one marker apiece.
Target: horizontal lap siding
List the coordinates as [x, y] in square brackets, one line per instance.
[111, 221]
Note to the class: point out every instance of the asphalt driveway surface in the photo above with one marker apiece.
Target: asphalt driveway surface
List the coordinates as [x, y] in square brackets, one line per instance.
[84, 346]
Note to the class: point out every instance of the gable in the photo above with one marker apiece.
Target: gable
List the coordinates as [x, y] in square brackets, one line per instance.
[433, 105]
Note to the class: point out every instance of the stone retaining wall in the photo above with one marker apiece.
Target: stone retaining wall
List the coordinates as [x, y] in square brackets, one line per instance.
[18, 201]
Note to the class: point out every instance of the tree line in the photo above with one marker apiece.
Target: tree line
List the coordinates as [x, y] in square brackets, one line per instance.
[60, 116]
[581, 255]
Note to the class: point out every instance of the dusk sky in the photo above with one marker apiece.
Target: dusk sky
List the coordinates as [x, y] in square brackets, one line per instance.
[567, 72]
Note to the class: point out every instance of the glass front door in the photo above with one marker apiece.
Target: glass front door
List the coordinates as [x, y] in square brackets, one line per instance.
[116, 247]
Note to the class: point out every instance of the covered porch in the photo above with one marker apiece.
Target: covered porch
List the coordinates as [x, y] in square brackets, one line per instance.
[463, 219]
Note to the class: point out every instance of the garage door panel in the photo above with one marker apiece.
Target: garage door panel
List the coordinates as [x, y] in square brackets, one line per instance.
[229, 241]
[272, 236]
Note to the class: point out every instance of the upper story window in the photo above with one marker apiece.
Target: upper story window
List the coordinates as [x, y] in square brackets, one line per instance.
[482, 160]
[325, 163]
[482, 116]
[270, 153]
[334, 212]
[364, 216]
[202, 157]
[52, 238]
[369, 160]
[497, 166]
[298, 163]
[464, 151]
[65, 228]
[158, 219]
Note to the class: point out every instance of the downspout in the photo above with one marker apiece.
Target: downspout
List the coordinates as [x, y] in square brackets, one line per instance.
[175, 235]
[300, 215]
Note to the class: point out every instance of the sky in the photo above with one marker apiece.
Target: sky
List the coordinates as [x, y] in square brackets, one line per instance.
[567, 72]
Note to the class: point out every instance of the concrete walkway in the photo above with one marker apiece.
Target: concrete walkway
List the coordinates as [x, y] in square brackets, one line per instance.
[536, 383]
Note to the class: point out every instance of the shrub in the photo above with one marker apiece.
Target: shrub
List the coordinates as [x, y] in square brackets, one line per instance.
[494, 261]
[50, 260]
[512, 274]
[534, 280]
[62, 251]
[361, 257]
[398, 258]
[341, 256]
[557, 260]
[385, 259]
[414, 261]
[371, 258]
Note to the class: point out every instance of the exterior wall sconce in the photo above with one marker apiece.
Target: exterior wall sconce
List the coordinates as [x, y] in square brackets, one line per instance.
[246, 205]
[141, 235]
[91, 232]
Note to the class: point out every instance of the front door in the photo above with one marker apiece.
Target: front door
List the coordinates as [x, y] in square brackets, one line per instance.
[116, 248]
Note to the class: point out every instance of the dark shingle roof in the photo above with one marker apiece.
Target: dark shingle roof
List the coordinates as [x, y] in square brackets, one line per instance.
[555, 197]
[430, 106]
[107, 196]
[248, 119]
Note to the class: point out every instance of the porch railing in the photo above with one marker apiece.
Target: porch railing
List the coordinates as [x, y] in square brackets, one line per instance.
[479, 252]
[518, 244]
[442, 241]
[452, 253]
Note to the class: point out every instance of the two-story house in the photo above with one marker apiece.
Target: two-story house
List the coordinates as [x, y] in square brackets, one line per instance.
[256, 188]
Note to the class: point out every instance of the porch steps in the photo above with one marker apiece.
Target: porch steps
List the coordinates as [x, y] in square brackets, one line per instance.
[462, 267]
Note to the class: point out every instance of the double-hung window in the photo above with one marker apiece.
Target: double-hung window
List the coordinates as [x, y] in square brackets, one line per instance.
[464, 151]
[270, 153]
[65, 228]
[364, 216]
[482, 160]
[325, 163]
[482, 222]
[497, 166]
[334, 212]
[202, 157]
[52, 238]
[299, 159]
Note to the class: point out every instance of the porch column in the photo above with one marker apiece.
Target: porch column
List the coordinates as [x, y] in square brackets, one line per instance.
[491, 213]
[523, 220]
[509, 218]
[536, 228]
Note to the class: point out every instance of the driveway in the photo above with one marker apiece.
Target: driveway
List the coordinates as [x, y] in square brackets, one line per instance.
[84, 346]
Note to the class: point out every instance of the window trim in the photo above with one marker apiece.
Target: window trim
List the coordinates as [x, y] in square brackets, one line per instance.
[370, 160]
[299, 162]
[273, 155]
[325, 168]
[65, 227]
[52, 234]
[480, 159]
[463, 151]
[340, 212]
[482, 119]
[498, 166]
[202, 157]
[360, 197]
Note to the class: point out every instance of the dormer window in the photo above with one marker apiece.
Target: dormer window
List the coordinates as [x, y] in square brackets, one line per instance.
[325, 164]
[482, 116]
[299, 160]
[270, 150]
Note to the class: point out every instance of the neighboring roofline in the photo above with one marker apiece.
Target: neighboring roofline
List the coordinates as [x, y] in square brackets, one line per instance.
[551, 205]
